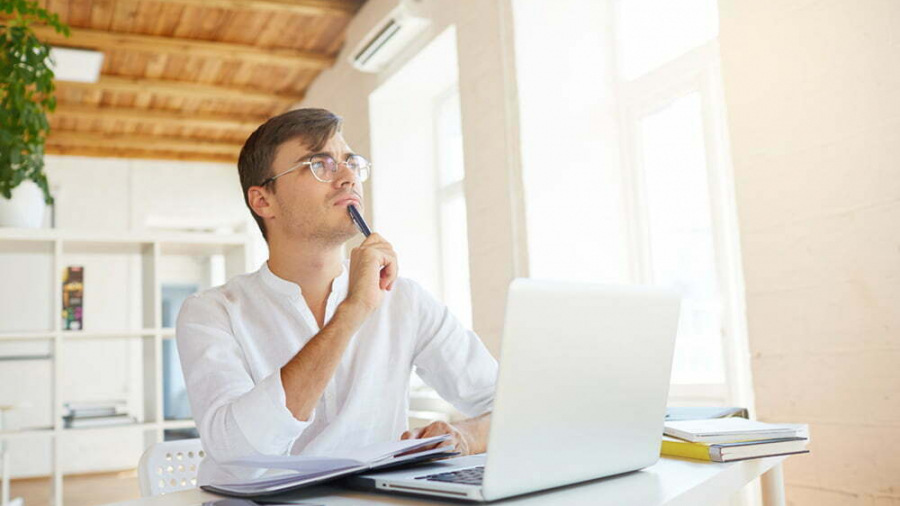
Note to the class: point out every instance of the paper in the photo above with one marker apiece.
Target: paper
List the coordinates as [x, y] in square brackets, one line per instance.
[380, 451]
[297, 470]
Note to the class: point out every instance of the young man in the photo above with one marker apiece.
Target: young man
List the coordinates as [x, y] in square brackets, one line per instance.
[313, 353]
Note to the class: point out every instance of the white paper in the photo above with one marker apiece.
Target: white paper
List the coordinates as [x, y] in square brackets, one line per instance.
[380, 451]
[312, 463]
[309, 467]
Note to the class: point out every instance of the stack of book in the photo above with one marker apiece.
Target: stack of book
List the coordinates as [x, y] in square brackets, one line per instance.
[731, 439]
[79, 415]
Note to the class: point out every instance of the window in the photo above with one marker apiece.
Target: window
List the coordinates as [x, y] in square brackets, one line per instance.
[451, 204]
[683, 228]
[418, 201]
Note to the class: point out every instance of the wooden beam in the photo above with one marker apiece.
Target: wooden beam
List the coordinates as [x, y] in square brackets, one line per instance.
[182, 88]
[171, 118]
[107, 41]
[304, 7]
[99, 152]
[115, 143]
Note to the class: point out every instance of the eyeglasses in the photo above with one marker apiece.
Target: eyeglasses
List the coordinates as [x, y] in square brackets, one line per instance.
[324, 168]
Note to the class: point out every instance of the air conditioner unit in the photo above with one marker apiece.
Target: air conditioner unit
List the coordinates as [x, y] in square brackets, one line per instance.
[390, 36]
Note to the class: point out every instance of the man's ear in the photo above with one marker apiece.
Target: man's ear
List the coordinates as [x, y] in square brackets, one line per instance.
[261, 202]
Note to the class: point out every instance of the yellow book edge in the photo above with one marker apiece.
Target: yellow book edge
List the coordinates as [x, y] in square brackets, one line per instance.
[675, 448]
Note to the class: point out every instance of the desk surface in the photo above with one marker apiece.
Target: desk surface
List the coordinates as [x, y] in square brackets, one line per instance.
[671, 482]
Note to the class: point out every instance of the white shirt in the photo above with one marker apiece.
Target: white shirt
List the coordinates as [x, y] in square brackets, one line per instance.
[234, 339]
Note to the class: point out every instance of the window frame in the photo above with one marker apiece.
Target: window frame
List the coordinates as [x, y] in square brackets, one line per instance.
[698, 70]
[444, 193]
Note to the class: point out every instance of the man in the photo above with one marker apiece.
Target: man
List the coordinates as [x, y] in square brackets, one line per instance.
[313, 353]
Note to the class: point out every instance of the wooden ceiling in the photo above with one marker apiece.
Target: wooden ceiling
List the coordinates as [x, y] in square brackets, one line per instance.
[188, 79]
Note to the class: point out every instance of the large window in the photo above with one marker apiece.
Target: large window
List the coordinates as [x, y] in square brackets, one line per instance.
[678, 188]
[451, 206]
[417, 189]
[626, 171]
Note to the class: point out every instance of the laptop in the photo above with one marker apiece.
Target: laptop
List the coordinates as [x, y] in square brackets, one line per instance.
[581, 394]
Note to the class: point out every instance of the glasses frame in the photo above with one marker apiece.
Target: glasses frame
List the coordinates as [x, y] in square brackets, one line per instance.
[309, 162]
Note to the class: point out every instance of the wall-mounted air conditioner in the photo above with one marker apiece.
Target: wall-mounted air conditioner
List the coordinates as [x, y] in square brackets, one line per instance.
[390, 36]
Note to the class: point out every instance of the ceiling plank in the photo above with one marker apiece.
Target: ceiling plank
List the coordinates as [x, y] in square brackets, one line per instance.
[182, 88]
[115, 143]
[170, 118]
[107, 152]
[107, 41]
[303, 7]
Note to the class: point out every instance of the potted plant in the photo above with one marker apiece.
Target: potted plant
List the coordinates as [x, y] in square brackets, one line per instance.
[26, 94]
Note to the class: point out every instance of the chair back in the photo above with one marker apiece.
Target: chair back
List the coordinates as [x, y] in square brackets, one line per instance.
[170, 466]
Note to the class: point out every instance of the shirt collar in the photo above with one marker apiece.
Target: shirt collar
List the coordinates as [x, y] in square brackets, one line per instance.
[290, 289]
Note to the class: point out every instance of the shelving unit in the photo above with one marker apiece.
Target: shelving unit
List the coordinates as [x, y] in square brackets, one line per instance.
[151, 249]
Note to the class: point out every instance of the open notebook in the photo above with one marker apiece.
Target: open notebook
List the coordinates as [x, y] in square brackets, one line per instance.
[297, 471]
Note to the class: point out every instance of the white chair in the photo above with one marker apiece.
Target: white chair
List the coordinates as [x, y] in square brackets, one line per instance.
[170, 466]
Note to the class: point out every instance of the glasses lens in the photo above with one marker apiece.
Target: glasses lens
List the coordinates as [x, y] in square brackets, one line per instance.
[360, 166]
[323, 166]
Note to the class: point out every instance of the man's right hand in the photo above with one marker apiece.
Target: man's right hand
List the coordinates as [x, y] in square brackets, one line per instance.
[373, 268]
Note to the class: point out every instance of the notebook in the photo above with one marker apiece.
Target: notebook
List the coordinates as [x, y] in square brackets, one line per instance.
[730, 452]
[729, 430]
[292, 472]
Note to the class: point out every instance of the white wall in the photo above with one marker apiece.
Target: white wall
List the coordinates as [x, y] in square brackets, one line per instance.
[814, 116]
[103, 196]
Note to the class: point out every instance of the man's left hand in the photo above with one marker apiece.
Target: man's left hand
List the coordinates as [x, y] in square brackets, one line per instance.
[459, 439]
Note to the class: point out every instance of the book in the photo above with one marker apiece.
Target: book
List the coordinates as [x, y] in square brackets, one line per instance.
[94, 408]
[730, 430]
[73, 298]
[731, 452]
[97, 421]
[286, 473]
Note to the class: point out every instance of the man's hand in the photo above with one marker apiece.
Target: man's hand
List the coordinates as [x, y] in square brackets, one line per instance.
[373, 268]
[459, 439]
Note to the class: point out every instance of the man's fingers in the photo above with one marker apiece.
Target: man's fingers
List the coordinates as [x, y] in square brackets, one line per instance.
[389, 273]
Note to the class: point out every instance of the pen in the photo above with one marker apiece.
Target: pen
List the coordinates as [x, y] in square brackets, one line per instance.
[358, 220]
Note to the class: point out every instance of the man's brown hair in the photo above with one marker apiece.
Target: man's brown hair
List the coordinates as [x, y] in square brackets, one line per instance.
[312, 126]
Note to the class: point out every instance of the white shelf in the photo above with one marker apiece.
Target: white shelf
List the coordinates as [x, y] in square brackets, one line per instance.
[107, 334]
[49, 431]
[178, 424]
[154, 251]
[172, 239]
[27, 335]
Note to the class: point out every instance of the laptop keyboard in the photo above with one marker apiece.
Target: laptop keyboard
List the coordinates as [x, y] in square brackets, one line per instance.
[470, 476]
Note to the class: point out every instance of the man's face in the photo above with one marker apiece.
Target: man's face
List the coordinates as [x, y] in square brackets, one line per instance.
[306, 207]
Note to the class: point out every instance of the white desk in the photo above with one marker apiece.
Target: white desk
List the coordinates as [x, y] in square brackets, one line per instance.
[671, 482]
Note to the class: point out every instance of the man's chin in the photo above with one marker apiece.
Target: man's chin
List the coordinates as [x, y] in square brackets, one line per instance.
[344, 233]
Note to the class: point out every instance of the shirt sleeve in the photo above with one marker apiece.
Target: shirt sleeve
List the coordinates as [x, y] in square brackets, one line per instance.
[235, 416]
[452, 359]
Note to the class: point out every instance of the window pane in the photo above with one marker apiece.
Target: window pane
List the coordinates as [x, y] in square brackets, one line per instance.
[681, 235]
[650, 33]
[455, 258]
[450, 139]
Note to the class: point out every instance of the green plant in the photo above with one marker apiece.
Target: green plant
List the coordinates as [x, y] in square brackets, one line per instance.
[26, 94]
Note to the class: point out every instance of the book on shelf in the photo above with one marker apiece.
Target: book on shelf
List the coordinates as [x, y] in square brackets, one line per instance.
[73, 298]
[731, 452]
[287, 473]
[95, 408]
[70, 422]
[730, 430]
